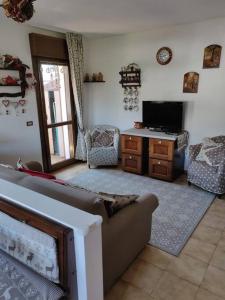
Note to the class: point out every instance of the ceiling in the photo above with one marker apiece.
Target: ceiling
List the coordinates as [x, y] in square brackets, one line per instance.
[122, 16]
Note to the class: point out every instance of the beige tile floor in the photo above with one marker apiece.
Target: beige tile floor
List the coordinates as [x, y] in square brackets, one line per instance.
[198, 273]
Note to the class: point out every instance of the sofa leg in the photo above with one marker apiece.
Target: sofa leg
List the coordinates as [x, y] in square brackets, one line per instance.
[89, 166]
[189, 183]
[219, 196]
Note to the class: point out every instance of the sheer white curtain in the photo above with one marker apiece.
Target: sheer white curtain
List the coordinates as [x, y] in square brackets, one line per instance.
[75, 49]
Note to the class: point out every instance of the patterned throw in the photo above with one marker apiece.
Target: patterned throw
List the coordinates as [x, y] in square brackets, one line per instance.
[30, 246]
[114, 202]
[17, 282]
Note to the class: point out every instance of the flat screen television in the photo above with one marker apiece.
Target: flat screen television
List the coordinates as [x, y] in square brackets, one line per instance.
[163, 115]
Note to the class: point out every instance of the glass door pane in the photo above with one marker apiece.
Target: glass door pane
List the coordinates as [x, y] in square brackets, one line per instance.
[61, 143]
[56, 93]
[58, 112]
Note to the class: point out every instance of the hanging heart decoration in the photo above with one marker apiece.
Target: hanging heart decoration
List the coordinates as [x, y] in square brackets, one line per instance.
[6, 103]
[22, 102]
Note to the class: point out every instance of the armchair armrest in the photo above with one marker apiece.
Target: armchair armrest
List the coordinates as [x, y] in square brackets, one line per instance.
[221, 169]
[88, 141]
[116, 140]
[194, 151]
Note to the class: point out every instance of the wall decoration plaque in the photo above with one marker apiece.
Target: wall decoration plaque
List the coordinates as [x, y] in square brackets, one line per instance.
[191, 80]
[212, 56]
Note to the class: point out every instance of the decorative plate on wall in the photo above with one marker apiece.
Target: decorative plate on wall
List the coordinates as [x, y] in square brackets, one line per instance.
[164, 55]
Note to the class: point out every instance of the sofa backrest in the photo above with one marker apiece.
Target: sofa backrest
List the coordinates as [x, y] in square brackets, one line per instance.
[73, 196]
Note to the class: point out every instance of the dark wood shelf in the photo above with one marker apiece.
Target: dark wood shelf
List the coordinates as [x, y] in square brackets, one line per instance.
[94, 81]
[8, 85]
[129, 72]
[13, 95]
[22, 85]
[9, 69]
[130, 78]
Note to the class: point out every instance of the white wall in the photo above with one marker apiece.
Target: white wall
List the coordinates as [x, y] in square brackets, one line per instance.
[205, 113]
[16, 139]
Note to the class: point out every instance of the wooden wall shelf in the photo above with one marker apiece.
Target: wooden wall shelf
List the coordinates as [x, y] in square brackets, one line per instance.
[130, 78]
[23, 85]
[7, 85]
[94, 81]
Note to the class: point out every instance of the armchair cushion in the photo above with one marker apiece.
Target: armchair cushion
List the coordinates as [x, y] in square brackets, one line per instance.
[102, 138]
[210, 151]
[214, 157]
[208, 169]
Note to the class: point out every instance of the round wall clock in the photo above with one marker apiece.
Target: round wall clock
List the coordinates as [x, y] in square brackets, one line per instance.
[164, 55]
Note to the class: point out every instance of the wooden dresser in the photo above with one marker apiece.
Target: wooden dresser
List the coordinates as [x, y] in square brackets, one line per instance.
[155, 153]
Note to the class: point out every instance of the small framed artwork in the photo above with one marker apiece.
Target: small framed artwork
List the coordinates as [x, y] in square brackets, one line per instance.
[191, 80]
[212, 56]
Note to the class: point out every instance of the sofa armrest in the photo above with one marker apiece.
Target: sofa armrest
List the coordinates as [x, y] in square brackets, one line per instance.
[137, 212]
[125, 235]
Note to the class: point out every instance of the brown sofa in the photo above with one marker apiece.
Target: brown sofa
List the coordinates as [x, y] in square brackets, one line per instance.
[124, 235]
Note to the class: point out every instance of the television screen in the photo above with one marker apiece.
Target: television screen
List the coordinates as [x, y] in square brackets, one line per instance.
[166, 116]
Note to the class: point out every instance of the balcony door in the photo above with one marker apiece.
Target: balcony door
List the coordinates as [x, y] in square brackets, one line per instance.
[57, 114]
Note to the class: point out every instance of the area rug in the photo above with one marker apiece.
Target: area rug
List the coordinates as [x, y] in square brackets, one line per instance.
[180, 207]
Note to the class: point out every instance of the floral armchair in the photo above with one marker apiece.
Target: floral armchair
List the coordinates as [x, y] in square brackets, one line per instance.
[204, 175]
[102, 146]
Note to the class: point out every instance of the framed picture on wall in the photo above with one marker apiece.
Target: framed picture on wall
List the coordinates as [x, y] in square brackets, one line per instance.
[212, 56]
[191, 80]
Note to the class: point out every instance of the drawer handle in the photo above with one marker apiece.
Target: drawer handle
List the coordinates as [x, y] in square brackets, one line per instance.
[130, 157]
[159, 163]
[159, 142]
[130, 138]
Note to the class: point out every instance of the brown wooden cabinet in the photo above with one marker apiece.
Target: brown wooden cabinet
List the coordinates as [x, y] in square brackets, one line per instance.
[165, 162]
[158, 156]
[132, 163]
[161, 169]
[161, 149]
[132, 144]
[132, 154]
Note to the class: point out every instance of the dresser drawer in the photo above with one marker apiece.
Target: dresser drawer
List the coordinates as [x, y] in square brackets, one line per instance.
[132, 163]
[161, 169]
[131, 144]
[161, 149]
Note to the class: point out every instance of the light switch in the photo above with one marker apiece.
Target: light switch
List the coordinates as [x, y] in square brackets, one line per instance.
[30, 123]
